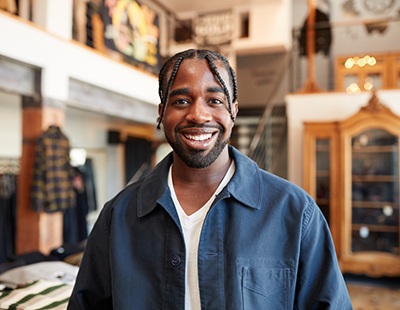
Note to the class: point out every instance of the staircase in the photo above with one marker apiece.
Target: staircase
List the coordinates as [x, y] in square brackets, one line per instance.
[268, 147]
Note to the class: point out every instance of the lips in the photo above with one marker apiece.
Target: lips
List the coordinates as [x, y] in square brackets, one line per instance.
[201, 137]
[198, 139]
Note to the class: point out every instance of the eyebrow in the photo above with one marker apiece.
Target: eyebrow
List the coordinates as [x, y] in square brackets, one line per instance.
[215, 90]
[185, 91]
[179, 91]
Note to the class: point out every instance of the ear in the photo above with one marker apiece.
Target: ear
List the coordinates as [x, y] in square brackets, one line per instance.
[160, 107]
[235, 109]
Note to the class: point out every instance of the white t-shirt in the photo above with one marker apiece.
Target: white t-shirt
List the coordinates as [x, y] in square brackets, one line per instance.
[191, 226]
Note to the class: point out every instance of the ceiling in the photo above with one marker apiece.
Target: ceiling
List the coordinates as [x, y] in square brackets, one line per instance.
[181, 6]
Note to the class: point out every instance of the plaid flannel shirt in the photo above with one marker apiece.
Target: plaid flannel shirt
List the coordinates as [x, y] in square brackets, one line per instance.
[52, 185]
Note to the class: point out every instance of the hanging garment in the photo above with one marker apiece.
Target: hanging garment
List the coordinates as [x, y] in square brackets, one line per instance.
[8, 209]
[323, 34]
[74, 220]
[52, 184]
[87, 173]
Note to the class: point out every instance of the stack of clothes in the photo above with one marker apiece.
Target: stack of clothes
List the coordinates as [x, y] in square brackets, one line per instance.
[35, 281]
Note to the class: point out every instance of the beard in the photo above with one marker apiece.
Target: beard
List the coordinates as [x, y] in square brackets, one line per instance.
[198, 158]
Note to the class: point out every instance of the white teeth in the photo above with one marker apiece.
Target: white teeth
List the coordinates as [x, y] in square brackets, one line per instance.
[199, 137]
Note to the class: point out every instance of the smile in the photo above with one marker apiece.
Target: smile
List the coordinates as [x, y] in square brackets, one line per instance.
[201, 137]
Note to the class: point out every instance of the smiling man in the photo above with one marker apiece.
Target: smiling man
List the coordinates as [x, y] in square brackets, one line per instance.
[206, 228]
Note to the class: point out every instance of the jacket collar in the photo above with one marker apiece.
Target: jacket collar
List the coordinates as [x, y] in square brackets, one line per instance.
[245, 185]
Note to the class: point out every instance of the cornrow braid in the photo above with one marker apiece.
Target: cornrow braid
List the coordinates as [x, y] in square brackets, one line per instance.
[174, 62]
[222, 82]
[164, 96]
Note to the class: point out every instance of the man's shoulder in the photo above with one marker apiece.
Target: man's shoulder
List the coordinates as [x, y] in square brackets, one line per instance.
[249, 169]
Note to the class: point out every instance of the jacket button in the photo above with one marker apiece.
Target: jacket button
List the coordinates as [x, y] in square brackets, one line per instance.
[176, 261]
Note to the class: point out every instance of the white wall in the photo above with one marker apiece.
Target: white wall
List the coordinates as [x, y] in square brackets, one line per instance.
[270, 28]
[261, 78]
[324, 107]
[10, 126]
[88, 130]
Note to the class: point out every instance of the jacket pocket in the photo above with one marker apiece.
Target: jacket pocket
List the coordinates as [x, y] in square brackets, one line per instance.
[265, 288]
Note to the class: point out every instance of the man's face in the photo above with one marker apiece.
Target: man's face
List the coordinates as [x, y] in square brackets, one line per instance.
[197, 123]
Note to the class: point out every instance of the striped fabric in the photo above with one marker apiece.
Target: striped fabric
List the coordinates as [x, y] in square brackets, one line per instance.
[41, 294]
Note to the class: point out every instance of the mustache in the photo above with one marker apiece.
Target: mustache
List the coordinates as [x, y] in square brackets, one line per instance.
[217, 126]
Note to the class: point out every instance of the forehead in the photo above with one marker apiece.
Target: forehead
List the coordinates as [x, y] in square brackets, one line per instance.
[200, 68]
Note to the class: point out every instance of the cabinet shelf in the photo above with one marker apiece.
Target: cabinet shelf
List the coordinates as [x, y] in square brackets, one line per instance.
[323, 148]
[372, 204]
[322, 202]
[374, 178]
[376, 228]
[374, 149]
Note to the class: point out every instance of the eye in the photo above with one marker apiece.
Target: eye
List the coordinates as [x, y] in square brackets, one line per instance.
[215, 101]
[180, 101]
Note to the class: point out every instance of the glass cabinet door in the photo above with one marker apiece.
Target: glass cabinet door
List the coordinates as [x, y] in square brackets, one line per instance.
[320, 171]
[322, 190]
[375, 192]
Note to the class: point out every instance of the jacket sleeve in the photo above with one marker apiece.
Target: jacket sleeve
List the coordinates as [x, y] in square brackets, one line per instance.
[320, 283]
[92, 288]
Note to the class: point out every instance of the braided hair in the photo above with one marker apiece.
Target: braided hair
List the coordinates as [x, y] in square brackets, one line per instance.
[173, 64]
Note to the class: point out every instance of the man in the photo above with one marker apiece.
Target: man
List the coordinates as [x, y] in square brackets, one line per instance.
[207, 229]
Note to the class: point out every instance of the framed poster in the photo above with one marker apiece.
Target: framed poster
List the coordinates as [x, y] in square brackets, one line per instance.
[132, 29]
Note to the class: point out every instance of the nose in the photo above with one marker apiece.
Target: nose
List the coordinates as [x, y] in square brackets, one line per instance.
[199, 112]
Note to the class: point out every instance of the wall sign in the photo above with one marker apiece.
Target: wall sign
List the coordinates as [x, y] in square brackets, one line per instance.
[214, 28]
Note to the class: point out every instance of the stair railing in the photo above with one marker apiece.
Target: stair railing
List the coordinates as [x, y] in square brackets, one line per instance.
[260, 149]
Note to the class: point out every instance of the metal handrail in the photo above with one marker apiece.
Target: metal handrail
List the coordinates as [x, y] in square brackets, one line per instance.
[259, 140]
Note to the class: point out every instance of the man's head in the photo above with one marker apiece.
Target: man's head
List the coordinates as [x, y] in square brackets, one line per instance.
[171, 66]
[198, 106]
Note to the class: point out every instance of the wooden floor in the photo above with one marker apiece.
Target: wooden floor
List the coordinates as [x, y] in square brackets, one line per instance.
[374, 294]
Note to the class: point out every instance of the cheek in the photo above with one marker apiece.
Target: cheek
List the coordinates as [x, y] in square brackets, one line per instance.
[226, 120]
[169, 122]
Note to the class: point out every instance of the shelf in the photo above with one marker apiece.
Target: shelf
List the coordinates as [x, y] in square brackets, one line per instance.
[376, 228]
[323, 148]
[372, 204]
[374, 178]
[323, 202]
[375, 149]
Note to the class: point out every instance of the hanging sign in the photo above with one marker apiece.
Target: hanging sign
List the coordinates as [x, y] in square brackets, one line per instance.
[214, 28]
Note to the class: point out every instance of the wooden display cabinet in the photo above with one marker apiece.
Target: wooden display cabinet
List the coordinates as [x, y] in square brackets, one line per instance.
[395, 70]
[360, 159]
[376, 75]
[369, 72]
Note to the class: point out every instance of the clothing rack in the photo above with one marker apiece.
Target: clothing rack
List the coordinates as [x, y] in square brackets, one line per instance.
[9, 165]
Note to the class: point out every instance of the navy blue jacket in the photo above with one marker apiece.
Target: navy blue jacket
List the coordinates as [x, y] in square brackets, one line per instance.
[264, 245]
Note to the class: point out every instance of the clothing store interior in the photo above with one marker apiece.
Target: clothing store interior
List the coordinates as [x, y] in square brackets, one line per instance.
[319, 105]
